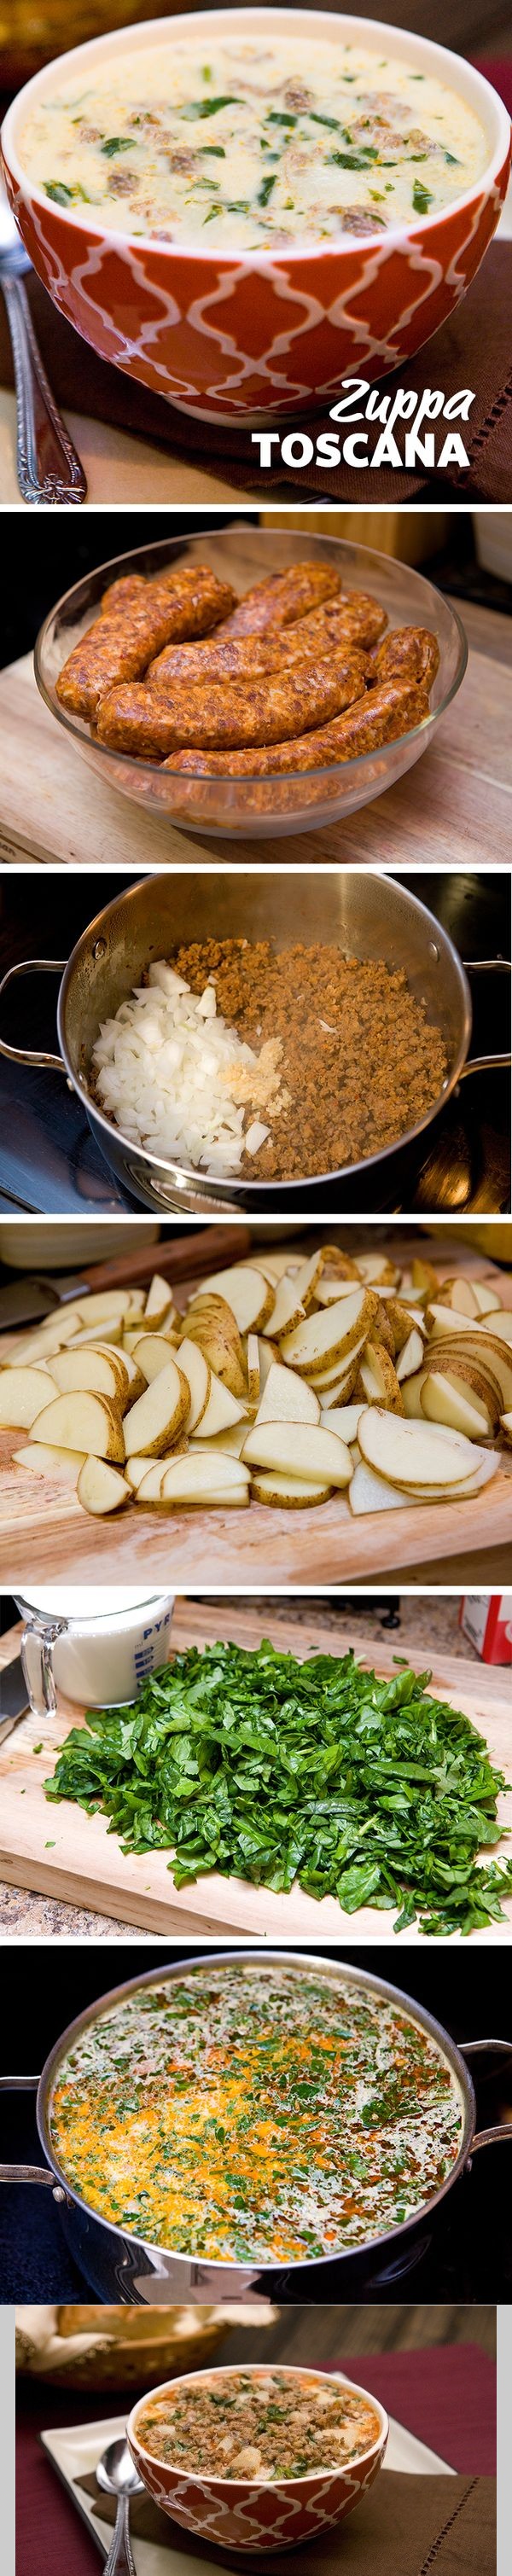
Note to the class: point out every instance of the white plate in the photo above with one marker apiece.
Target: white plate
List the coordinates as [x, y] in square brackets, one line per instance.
[75, 2450]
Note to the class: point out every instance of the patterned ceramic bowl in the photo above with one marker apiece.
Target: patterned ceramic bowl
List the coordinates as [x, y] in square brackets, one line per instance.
[261, 335]
[235, 2515]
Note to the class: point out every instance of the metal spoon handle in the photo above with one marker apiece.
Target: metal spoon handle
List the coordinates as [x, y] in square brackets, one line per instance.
[48, 466]
[120, 2556]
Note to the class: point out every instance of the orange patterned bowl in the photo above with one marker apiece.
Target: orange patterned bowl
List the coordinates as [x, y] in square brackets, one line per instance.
[242, 2515]
[262, 335]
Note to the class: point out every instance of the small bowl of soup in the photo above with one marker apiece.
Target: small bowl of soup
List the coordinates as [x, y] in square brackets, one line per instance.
[243, 207]
[258, 2458]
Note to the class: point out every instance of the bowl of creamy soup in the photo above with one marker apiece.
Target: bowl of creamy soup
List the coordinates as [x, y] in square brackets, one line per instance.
[243, 207]
[258, 2457]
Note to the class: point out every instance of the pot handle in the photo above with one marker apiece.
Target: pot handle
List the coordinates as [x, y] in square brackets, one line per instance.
[485, 1063]
[31, 1055]
[481, 2048]
[27, 2173]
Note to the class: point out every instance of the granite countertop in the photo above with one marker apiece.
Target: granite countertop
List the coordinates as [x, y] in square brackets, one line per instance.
[425, 1623]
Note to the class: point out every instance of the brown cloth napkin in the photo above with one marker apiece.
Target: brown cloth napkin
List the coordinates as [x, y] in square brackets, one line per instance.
[473, 349]
[405, 2526]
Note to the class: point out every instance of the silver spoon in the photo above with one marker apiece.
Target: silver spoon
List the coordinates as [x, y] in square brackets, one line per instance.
[47, 462]
[117, 2476]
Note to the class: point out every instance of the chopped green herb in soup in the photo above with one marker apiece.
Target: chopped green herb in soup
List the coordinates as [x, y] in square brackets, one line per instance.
[270, 143]
[258, 2424]
[253, 2112]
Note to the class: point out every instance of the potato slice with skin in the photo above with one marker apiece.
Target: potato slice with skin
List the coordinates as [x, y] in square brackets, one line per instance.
[267, 1353]
[287, 1310]
[287, 1398]
[158, 1301]
[110, 1328]
[402, 1321]
[63, 1465]
[126, 1362]
[101, 1304]
[455, 1363]
[211, 1323]
[424, 1277]
[229, 1442]
[339, 1265]
[101, 1489]
[329, 1291]
[199, 1377]
[412, 1453]
[376, 1270]
[273, 1265]
[380, 1337]
[76, 1371]
[506, 1425]
[378, 1379]
[341, 1374]
[253, 1368]
[199, 1480]
[152, 1353]
[155, 1421]
[82, 1421]
[23, 1392]
[410, 1356]
[443, 1401]
[287, 1493]
[308, 1278]
[245, 1290]
[371, 1493]
[487, 1350]
[222, 1408]
[47, 1338]
[487, 1298]
[328, 1335]
[501, 1325]
[299, 1449]
[486, 1463]
[459, 1294]
[343, 1419]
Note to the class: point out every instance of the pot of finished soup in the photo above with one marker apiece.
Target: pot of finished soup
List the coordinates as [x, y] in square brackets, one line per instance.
[181, 2118]
[237, 1041]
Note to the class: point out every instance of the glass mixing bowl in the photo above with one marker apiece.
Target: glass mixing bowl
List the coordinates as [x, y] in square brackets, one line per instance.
[258, 806]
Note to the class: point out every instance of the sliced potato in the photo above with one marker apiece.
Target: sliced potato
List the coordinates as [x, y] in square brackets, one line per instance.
[299, 1449]
[199, 1378]
[155, 1421]
[100, 1488]
[222, 1408]
[245, 1290]
[152, 1352]
[253, 1368]
[487, 1298]
[230, 1441]
[442, 1400]
[343, 1419]
[138, 1467]
[424, 1277]
[307, 1279]
[110, 1327]
[200, 1480]
[410, 1356]
[82, 1421]
[23, 1392]
[42, 1460]
[412, 1453]
[328, 1335]
[287, 1493]
[339, 1265]
[267, 1353]
[101, 1304]
[378, 1379]
[286, 1311]
[76, 1371]
[371, 1493]
[159, 1302]
[47, 1338]
[377, 1271]
[287, 1397]
[401, 1320]
[506, 1424]
[501, 1325]
[210, 1322]
[328, 1383]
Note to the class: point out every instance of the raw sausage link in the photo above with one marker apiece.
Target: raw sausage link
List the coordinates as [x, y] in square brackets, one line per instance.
[124, 593]
[282, 597]
[358, 620]
[144, 721]
[411, 652]
[118, 647]
[375, 719]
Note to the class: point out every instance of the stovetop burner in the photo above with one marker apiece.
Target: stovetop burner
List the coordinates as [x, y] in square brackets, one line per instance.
[50, 1163]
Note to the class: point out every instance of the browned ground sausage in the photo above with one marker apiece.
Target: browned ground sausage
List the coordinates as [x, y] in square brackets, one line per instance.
[118, 647]
[282, 597]
[144, 721]
[337, 623]
[373, 719]
[410, 652]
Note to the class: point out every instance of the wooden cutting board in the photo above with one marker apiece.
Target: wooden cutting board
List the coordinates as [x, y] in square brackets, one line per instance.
[45, 1533]
[63, 1853]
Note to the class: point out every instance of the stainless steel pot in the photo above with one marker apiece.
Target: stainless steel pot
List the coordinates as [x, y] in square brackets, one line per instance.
[123, 2268]
[372, 916]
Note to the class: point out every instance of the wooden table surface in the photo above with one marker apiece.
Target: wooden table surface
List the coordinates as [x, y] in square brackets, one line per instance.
[60, 1851]
[455, 807]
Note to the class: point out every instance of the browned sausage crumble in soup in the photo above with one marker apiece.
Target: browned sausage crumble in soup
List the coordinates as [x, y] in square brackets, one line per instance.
[258, 2424]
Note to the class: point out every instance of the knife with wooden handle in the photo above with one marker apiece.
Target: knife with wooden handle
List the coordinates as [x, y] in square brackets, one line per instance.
[212, 1247]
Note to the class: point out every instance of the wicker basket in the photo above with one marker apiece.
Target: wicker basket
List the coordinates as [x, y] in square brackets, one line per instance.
[106, 2348]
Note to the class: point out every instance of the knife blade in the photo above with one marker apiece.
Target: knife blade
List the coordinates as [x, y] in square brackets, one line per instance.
[26, 1300]
[14, 1699]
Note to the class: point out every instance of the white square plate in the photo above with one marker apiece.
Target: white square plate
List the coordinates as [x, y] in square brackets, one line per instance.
[75, 2450]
